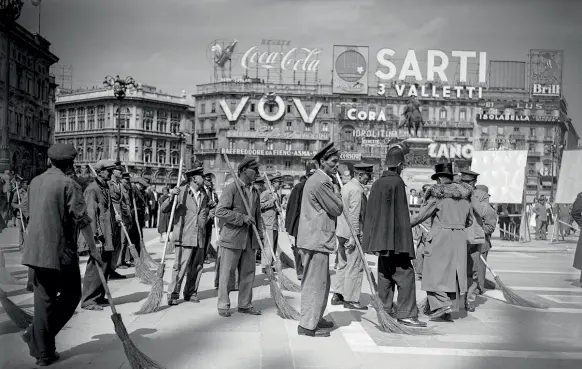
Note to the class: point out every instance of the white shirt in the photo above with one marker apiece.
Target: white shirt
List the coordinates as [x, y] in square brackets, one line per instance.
[196, 195]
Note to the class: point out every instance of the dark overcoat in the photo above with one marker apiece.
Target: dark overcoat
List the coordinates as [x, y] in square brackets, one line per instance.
[294, 209]
[100, 210]
[577, 216]
[445, 252]
[387, 222]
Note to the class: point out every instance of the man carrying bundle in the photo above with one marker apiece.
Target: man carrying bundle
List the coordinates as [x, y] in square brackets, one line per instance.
[320, 207]
[350, 271]
[388, 233]
[238, 242]
[270, 214]
[444, 273]
[188, 236]
[100, 210]
[58, 211]
[292, 214]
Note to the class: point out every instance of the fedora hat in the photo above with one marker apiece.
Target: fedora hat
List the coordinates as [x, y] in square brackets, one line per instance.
[443, 170]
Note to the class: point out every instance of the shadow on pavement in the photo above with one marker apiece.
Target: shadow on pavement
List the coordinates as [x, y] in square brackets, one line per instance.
[8, 327]
[134, 297]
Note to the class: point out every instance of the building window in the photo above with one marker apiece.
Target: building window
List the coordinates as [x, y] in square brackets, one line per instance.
[147, 156]
[72, 120]
[162, 121]
[461, 132]
[443, 114]
[500, 131]
[213, 107]
[124, 118]
[287, 164]
[269, 164]
[28, 126]
[231, 144]
[203, 108]
[62, 121]
[161, 157]
[516, 129]
[174, 122]
[123, 154]
[532, 131]
[289, 126]
[325, 109]
[325, 127]
[307, 128]
[175, 158]
[531, 168]
[462, 114]
[531, 147]
[100, 116]
[306, 145]
[252, 108]
[252, 144]
[270, 146]
[89, 154]
[288, 145]
[548, 132]
[252, 125]
[91, 118]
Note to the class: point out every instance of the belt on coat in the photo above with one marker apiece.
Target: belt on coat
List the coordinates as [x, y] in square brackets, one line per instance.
[453, 226]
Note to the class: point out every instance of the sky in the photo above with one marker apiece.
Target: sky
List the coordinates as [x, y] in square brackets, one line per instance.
[164, 43]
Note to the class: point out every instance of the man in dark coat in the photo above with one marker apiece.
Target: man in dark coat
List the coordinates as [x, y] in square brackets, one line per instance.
[212, 202]
[117, 200]
[58, 211]
[444, 274]
[238, 241]
[388, 233]
[100, 210]
[292, 214]
[577, 216]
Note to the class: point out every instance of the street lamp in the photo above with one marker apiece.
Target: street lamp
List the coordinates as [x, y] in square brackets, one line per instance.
[9, 14]
[119, 87]
[182, 137]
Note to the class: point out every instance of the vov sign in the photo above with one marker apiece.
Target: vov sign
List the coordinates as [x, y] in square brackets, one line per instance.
[233, 116]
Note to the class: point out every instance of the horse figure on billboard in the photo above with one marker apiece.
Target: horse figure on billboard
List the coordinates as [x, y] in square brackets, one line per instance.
[412, 117]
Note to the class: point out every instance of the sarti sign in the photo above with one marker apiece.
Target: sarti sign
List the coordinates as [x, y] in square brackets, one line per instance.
[233, 116]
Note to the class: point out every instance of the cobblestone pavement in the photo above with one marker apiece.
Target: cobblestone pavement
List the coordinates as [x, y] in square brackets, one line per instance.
[194, 336]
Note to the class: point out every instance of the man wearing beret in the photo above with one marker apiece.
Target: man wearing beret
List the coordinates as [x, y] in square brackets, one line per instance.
[238, 243]
[270, 214]
[293, 212]
[350, 271]
[100, 210]
[476, 244]
[188, 235]
[57, 212]
[320, 206]
[387, 232]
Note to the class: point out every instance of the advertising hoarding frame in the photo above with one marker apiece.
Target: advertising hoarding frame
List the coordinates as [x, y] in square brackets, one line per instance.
[337, 80]
[536, 63]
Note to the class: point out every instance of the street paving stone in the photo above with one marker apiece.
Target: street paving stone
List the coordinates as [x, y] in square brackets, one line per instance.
[192, 335]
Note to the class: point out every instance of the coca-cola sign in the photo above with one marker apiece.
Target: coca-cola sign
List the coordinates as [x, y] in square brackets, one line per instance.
[298, 59]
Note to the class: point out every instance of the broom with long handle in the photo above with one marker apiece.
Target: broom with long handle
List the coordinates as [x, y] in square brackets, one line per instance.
[387, 323]
[141, 270]
[285, 282]
[510, 296]
[136, 358]
[152, 304]
[285, 310]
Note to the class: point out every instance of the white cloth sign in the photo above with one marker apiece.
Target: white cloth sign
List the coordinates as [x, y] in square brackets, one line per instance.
[570, 179]
[503, 172]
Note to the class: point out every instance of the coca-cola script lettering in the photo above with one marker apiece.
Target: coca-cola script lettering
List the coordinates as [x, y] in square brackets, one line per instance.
[295, 59]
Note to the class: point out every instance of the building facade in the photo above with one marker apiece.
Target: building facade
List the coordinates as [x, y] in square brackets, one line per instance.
[28, 127]
[148, 119]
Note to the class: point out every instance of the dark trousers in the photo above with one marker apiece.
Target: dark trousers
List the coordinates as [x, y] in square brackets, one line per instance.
[298, 261]
[21, 233]
[93, 291]
[473, 252]
[125, 255]
[208, 238]
[56, 296]
[153, 218]
[396, 270]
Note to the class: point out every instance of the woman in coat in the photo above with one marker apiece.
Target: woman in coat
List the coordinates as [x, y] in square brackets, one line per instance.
[164, 216]
[444, 274]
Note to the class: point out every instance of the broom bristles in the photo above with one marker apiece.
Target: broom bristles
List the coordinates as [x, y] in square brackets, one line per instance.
[390, 325]
[142, 271]
[285, 310]
[136, 358]
[20, 317]
[514, 299]
[152, 303]
[285, 259]
[284, 281]
[5, 276]
[146, 258]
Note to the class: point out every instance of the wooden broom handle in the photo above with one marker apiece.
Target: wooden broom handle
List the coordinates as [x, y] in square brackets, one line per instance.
[174, 202]
[20, 209]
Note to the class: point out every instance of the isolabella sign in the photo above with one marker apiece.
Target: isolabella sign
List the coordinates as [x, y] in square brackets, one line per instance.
[252, 152]
[450, 151]
[411, 68]
[233, 116]
[504, 117]
[266, 133]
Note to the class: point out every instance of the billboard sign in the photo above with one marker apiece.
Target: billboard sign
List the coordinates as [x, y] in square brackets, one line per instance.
[519, 105]
[546, 72]
[350, 70]
[436, 67]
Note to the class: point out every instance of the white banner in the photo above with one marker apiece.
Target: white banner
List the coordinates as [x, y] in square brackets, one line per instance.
[503, 172]
[570, 179]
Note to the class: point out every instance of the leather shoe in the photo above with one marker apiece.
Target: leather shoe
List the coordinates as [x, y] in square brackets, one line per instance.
[93, 307]
[299, 277]
[251, 311]
[470, 308]
[312, 333]
[46, 361]
[444, 318]
[115, 275]
[324, 324]
[440, 312]
[412, 322]
[337, 299]
[193, 298]
[172, 302]
[224, 313]
[354, 306]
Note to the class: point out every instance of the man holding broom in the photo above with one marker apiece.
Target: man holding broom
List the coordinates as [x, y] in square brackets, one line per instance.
[388, 233]
[118, 202]
[320, 206]
[58, 211]
[238, 243]
[350, 271]
[270, 216]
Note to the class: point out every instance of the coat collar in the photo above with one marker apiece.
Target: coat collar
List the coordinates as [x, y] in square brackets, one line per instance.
[357, 183]
[389, 173]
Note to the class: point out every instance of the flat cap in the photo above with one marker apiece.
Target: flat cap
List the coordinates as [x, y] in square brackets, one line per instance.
[275, 177]
[62, 152]
[248, 162]
[310, 168]
[104, 164]
[326, 152]
[367, 168]
[194, 171]
[468, 175]
[208, 176]
[125, 175]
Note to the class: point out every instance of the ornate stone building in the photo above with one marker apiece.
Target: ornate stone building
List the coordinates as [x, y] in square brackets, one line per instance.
[27, 133]
[149, 122]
